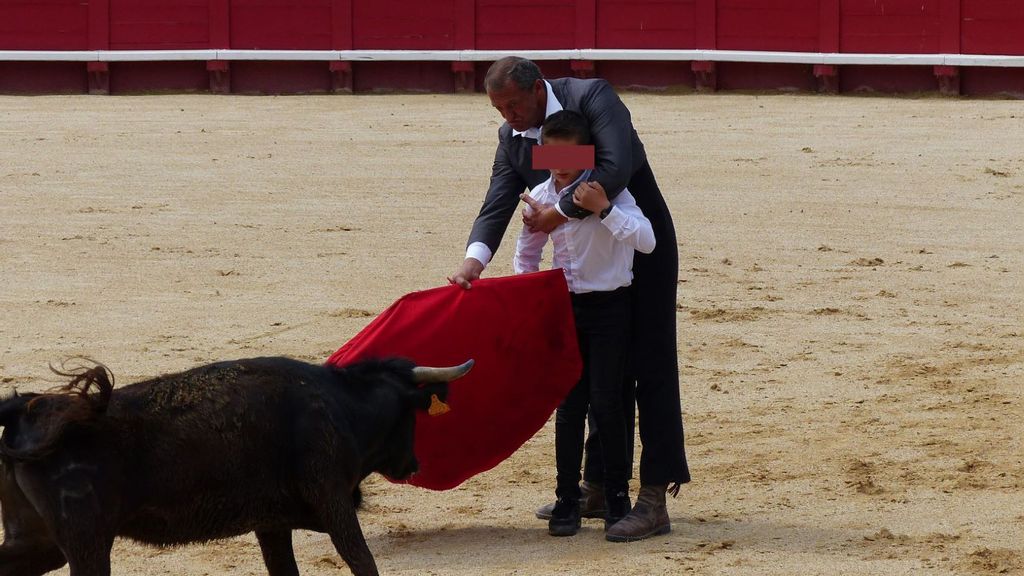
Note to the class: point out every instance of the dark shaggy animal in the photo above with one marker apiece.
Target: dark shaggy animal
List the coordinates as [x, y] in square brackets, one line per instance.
[266, 445]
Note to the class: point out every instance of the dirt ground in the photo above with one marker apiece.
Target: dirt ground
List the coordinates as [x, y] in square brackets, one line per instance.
[851, 308]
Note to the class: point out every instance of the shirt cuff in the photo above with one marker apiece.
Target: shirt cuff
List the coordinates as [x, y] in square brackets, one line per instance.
[614, 220]
[479, 251]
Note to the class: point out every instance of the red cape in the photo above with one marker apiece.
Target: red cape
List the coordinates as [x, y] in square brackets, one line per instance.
[520, 331]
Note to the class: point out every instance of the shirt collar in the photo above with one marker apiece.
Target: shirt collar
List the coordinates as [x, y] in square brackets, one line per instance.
[553, 105]
[571, 187]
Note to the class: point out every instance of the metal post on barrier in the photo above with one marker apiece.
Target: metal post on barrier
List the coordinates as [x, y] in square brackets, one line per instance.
[705, 76]
[828, 78]
[949, 80]
[220, 76]
[99, 77]
[583, 68]
[465, 76]
[341, 77]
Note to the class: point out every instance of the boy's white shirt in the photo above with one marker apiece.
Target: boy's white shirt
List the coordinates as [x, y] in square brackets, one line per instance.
[595, 254]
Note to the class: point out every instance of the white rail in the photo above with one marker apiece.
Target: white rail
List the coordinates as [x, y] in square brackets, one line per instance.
[984, 60]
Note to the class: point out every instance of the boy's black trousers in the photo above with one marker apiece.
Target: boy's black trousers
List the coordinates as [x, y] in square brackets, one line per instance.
[602, 327]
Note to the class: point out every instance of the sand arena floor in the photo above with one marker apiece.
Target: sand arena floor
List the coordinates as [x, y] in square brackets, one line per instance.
[850, 308]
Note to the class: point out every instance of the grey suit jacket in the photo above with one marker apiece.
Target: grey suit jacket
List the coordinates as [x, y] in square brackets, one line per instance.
[619, 154]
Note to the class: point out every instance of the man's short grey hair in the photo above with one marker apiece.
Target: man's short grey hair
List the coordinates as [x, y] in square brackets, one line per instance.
[519, 71]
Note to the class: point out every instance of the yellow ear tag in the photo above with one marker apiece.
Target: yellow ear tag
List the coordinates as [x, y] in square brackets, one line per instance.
[437, 407]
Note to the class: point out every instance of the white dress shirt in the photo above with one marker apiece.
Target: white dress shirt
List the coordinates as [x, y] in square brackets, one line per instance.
[595, 254]
[552, 106]
[479, 250]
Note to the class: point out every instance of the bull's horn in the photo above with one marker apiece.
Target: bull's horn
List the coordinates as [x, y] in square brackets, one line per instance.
[428, 375]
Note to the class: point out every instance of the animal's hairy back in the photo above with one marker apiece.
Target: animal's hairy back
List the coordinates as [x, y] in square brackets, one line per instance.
[255, 383]
[224, 387]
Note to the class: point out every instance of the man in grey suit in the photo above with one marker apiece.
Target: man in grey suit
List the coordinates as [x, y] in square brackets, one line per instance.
[524, 98]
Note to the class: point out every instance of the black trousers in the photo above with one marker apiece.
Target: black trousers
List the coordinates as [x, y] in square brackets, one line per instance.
[653, 363]
[602, 327]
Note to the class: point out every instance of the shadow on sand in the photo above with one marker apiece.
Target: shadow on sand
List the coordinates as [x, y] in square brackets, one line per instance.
[464, 546]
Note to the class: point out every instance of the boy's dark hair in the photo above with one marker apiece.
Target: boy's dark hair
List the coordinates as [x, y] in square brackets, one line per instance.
[567, 125]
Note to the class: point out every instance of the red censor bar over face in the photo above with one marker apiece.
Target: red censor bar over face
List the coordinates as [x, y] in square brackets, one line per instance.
[557, 157]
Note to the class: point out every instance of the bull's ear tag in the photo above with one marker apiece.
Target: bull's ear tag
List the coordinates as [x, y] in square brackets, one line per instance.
[437, 407]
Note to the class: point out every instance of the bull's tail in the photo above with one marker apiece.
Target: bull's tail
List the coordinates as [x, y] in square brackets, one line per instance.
[83, 380]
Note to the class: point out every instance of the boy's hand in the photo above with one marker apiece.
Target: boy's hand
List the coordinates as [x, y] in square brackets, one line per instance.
[540, 217]
[591, 196]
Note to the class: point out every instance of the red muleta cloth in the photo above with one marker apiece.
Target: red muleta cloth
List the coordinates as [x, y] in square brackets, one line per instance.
[521, 333]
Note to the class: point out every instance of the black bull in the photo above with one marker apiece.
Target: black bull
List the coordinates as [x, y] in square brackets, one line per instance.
[266, 445]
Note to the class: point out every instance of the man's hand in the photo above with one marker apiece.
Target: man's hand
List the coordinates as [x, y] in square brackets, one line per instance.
[540, 217]
[591, 196]
[468, 272]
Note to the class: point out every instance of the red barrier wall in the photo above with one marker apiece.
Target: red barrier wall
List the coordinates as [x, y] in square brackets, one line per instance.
[281, 24]
[992, 27]
[904, 26]
[519, 24]
[852, 26]
[159, 24]
[403, 25]
[55, 25]
[789, 25]
[646, 24]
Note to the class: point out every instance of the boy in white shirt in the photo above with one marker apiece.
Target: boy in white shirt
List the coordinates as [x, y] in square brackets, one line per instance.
[596, 255]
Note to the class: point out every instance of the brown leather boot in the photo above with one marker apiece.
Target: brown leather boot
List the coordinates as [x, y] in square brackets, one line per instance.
[649, 517]
[591, 503]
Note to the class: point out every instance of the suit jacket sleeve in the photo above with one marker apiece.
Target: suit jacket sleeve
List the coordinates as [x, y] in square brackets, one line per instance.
[501, 200]
[612, 130]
